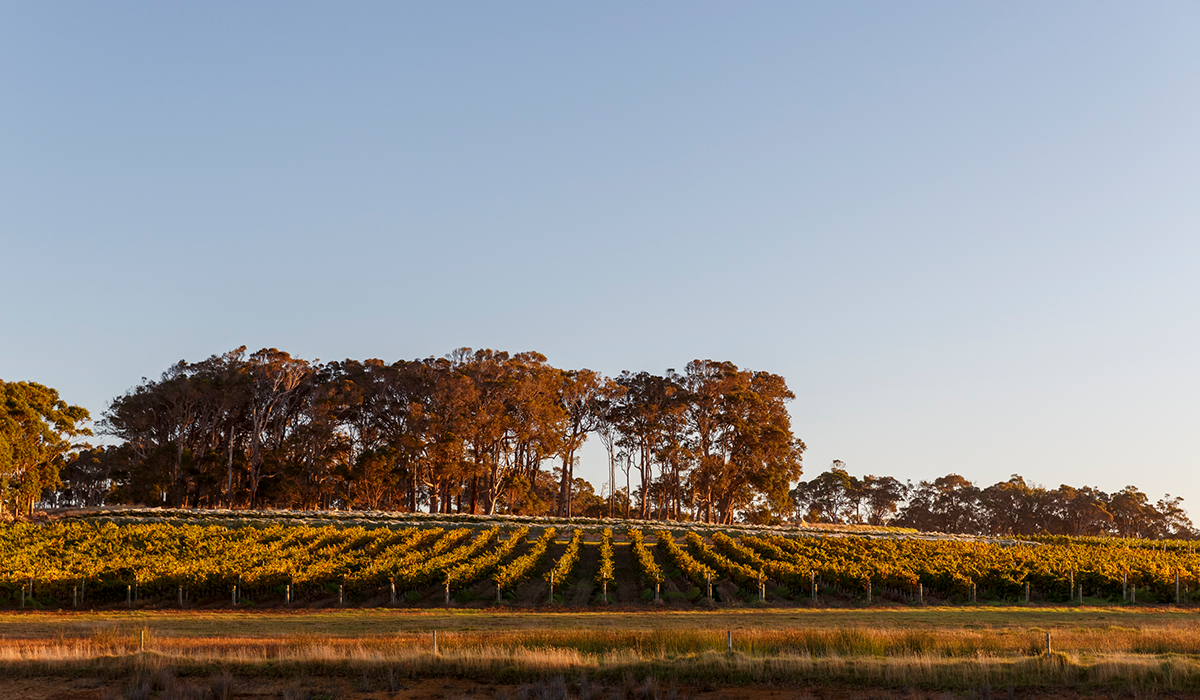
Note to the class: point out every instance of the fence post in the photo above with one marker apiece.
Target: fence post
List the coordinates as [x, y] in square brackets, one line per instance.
[1026, 592]
[604, 589]
[729, 641]
[1048, 644]
[550, 598]
[813, 578]
[393, 582]
[181, 596]
[233, 594]
[341, 594]
[657, 584]
[22, 595]
[708, 578]
[142, 640]
[287, 593]
[75, 596]
[435, 649]
[128, 595]
[1125, 586]
[762, 588]
[868, 592]
[920, 593]
[447, 590]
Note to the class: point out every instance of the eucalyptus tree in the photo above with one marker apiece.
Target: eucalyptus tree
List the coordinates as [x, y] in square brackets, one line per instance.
[38, 433]
[581, 395]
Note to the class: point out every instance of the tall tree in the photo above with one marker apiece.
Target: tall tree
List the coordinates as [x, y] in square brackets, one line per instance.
[38, 432]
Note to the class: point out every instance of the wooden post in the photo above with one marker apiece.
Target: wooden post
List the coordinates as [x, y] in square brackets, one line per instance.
[341, 594]
[22, 596]
[142, 640]
[550, 598]
[868, 592]
[128, 595]
[1026, 592]
[657, 584]
[181, 596]
[604, 589]
[74, 596]
[920, 593]
[435, 649]
[1081, 594]
[708, 579]
[1133, 594]
[1125, 586]
[393, 583]
[233, 594]
[813, 577]
[1048, 644]
[729, 641]
[447, 590]
[762, 588]
[287, 594]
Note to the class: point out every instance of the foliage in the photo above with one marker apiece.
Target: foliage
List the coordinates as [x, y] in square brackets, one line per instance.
[37, 430]
[606, 571]
[520, 568]
[697, 573]
[561, 572]
[648, 569]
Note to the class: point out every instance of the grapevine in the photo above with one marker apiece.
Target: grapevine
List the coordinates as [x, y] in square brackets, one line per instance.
[519, 569]
[647, 567]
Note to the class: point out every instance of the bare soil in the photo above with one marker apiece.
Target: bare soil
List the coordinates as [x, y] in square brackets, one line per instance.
[342, 688]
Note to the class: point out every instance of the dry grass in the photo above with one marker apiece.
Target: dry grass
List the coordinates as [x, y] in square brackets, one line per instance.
[1097, 650]
[1157, 659]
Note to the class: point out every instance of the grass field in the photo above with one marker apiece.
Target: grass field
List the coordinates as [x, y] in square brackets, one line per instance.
[900, 652]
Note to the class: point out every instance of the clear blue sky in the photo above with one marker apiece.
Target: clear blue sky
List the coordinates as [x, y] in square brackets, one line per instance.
[966, 233]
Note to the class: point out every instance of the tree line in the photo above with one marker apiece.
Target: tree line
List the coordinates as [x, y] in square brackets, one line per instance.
[476, 431]
[485, 431]
[1014, 507]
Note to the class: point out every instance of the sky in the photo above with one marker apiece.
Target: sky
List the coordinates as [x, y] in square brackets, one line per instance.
[965, 233]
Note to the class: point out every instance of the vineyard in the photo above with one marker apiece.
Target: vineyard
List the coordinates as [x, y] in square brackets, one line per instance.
[481, 562]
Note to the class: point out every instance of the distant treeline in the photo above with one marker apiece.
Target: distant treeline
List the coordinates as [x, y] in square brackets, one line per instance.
[1013, 507]
[475, 431]
[484, 431]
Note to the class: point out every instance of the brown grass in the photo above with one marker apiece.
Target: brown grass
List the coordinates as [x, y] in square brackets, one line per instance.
[1157, 652]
